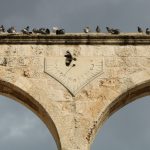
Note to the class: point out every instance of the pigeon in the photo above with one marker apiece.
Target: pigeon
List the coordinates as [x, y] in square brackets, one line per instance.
[2, 29]
[108, 30]
[113, 31]
[41, 31]
[60, 31]
[139, 30]
[44, 31]
[86, 30]
[54, 29]
[11, 30]
[47, 31]
[25, 30]
[35, 30]
[98, 30]
[147, 31]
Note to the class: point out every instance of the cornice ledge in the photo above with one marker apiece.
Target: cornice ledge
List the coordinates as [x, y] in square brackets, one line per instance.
[77, 38]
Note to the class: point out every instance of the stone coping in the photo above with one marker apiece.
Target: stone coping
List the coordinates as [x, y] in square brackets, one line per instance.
[77, 39]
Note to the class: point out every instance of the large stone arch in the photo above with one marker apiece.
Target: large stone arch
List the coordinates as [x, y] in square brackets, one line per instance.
[26, 98]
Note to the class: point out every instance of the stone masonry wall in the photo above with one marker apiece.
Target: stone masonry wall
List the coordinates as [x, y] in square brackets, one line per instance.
[74, 101]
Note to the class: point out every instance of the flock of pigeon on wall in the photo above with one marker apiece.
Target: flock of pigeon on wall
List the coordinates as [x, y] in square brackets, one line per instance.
[58, 31]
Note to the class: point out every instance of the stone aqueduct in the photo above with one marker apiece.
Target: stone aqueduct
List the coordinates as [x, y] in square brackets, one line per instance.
[74, 101]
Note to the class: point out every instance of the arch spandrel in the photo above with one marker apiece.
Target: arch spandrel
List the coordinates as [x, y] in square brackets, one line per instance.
[139, 87]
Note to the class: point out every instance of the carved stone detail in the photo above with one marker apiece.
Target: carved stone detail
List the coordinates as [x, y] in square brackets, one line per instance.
[76, 77]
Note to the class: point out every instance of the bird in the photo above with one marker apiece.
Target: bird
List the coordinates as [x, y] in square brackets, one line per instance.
[41, 31]
[98, 30]
[147, 31]
[47, 31]
[2, 29]
[44, 31]
[139, 29]
[54, 29]
[11, 30]
[113, 31]
[87, 30]
[108, 29]
[60, 31]
[25, 30]
[35, 30]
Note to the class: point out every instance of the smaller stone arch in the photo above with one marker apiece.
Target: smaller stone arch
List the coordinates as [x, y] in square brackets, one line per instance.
[27, 99]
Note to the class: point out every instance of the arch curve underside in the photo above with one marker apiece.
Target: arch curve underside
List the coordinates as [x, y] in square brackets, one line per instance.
[132, 94]
[17, 94]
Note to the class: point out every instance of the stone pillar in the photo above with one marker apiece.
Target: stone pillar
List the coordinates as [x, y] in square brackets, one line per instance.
[72, 146]
[71, 138]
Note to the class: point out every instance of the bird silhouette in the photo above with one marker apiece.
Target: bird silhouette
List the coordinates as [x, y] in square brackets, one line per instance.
[108, 30]
[60, 31]
[44, 31]
[2, 29]
[87, 30]
[41, 31]
[25, 30]
[113, 31]
[139, 29]
[98, 30]
[147, 31]
[11, 30]
[35, 30]
[54, 29]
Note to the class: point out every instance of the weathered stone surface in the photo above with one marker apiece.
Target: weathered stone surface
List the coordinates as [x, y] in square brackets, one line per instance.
[74, 101]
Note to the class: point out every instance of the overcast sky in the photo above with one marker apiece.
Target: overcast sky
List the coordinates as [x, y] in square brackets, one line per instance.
[129, 128]
[73, 15]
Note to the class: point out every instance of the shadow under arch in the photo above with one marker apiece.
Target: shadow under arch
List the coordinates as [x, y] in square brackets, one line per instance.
[10, 90]
[132, 94]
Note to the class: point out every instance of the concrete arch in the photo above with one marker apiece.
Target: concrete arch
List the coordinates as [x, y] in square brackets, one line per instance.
[14, 92]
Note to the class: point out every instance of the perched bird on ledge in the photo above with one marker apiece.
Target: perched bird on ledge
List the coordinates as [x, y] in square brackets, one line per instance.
[11, 30]
[60, 31]
[41, 31]
[87, 30]
[108, 29]
[44, 31]
[147, 31]
[54, 29]
[113, 31]
[98, 30]
[25, 30]
[2, 29]
[140, 29]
